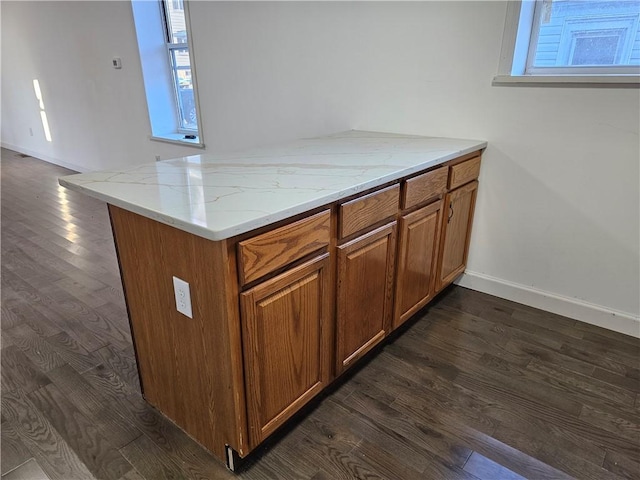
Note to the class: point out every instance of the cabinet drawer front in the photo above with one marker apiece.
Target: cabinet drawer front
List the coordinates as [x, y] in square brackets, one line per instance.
[464, 172]
[424, 187]
[275, 249]
[365, 211]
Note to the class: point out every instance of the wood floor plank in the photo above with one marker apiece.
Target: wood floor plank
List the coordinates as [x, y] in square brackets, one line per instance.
[79, 432]
[603, 332]
[41, 354]
[497, 451]
[199, 463]
[575, 465]
[13, 452]
[27, 471]
[482, 467]
[548, 356]
[73, 352]
[384, 462]
[50, 450]
[439, 393]
[404, 450]
[421, 433]
[132, 475]
[19, 373]
[338, 464]
[617, 364]
[9, 317]
[628, 383]
[40, 324]
[150, 461]
[58, 311]
[571, 458]
[81, 291]
[630, 349]
[508, 385]
[612, 423]
[123, 362]
[110, 423]
[532, 430]
[622, 465]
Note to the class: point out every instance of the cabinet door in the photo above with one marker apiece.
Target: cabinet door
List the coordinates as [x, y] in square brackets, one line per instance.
[456, 232]
[417, 258]
[287, 344]
[365, 276]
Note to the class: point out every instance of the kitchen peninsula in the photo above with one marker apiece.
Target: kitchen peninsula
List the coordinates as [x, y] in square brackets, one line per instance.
[298, 259]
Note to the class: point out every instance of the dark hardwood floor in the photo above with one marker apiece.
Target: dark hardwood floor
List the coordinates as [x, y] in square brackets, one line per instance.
[476, 388]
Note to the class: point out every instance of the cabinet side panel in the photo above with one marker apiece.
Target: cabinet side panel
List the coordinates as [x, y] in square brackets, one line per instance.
[187, 364]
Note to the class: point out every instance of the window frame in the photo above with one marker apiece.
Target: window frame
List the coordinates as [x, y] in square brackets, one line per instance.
[516, 56]
[171, 47]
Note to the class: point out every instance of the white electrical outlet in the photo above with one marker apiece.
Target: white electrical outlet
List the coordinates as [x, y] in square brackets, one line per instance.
[183, 296]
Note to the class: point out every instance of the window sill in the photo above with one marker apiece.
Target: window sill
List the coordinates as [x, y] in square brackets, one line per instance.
[178, 139]
[606, 81]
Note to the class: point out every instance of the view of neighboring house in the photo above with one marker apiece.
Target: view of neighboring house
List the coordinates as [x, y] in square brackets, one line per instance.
[588, 33]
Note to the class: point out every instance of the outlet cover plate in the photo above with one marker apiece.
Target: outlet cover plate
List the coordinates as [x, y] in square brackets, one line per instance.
[183, 297]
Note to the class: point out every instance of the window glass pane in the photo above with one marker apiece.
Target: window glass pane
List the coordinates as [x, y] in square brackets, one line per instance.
[595, 50]
[182, 76]
[177, 30]
[587, 32]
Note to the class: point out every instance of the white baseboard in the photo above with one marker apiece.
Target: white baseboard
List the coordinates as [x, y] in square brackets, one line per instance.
[604, 317]
[44, 157]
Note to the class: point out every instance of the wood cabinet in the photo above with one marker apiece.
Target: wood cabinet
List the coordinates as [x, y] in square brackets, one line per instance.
[418, 244]
[456, 233]
[286, 344]
[280, 312]
[364, 293]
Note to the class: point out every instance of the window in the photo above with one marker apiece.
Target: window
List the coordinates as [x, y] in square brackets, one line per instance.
[582, 40]
[178, 48]
[162, 29]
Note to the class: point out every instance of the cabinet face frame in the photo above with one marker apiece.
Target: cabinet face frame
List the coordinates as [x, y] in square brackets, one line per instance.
[346, 311]
[264, 295]
[407, 251]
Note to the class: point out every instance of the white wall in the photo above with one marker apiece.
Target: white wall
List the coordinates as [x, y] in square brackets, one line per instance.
[97, 114]
[558, 215]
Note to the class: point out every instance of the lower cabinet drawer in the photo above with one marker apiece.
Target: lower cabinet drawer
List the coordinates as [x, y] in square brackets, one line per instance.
[270, 251]
[464, 172]
[363, 212]
[417, 190]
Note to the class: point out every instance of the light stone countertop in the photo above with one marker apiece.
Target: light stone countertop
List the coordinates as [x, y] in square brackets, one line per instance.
[218, 196]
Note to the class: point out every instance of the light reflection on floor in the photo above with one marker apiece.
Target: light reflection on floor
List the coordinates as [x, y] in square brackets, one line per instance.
[65, 214]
